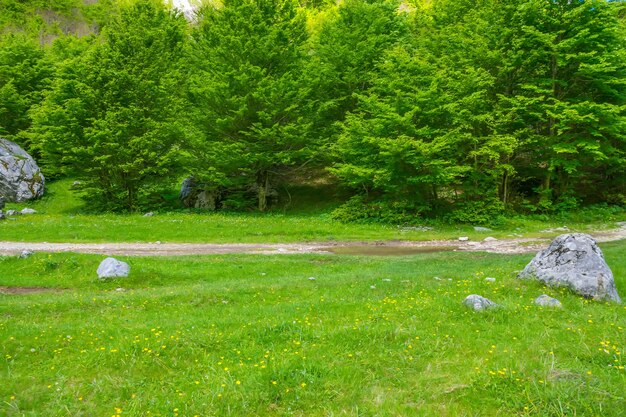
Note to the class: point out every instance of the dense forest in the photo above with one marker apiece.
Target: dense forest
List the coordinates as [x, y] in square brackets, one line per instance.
[464, 109]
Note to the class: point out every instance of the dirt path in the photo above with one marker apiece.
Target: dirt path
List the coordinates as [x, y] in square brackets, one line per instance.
[389, 247]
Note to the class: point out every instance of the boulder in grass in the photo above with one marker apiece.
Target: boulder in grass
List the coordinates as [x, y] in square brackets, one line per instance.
[574, 261]
[478, 303]
[545, 300]
[26, 254]
[20, 177]
[112, 268]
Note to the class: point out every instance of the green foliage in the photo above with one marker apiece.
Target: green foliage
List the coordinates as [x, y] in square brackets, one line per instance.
[488, 211]
[358, 210]
[482, 98]
[445, 105]
[565, 96]
[346, 45]
[112, 116]
[24, 75]
[247, 92]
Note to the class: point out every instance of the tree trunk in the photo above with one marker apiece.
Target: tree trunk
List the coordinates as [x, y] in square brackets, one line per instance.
[263, 183]
[505, 187]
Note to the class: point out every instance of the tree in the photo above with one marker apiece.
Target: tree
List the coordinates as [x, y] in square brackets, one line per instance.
[111, 118]
[424, 133]
[247, 92]
[347, 43]
[485, 98]
[24, 75]
[566, 96]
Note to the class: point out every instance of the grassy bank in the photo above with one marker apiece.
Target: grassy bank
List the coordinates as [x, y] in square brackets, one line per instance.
[244, 335]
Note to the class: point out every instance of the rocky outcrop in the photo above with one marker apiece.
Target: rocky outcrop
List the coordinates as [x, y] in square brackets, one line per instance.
[20, 177]
[574, 261]
[196, 195]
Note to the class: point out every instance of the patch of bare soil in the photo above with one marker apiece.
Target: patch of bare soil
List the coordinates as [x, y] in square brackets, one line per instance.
[26, 290]
[387, 247]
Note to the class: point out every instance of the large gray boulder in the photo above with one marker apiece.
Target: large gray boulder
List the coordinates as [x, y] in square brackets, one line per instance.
[112, 268]
[574, 261]
[20, 177]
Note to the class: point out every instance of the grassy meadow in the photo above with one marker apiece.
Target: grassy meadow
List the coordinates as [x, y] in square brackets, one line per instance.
[294, 335]
[254, 335]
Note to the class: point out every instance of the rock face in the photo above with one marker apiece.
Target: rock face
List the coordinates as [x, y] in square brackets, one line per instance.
[574, 261]
[20, 177]
[195, 195]
[478, 303]
[112, 268]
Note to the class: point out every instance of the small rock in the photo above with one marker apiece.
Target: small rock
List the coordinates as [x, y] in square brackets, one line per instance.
[547, 301]
[28, 211]
[112, 268]
[148, 214]
[26, 253]
[490, 279]
[13, 213]
[437, 278]
[464, 238]
[482, 229]
[120, 289]
[372, 287]
[2, 216]
[489, 239]
[478, 303]
[158, 242]
[312, 278]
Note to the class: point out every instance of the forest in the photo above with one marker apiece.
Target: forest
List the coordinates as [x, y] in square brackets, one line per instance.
[455, 109]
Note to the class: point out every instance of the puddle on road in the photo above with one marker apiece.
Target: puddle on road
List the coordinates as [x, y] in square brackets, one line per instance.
[387, 250]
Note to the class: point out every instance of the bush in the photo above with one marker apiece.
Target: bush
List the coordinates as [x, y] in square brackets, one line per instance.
[488, 211]
[358, 210]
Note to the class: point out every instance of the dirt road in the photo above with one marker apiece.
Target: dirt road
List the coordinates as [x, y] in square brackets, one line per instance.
[390, 247]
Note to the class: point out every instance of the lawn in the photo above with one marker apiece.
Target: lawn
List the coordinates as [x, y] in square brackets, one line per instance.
[255, 335]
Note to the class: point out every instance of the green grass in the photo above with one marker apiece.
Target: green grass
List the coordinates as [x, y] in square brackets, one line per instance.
[60, 218]
[246, 335]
